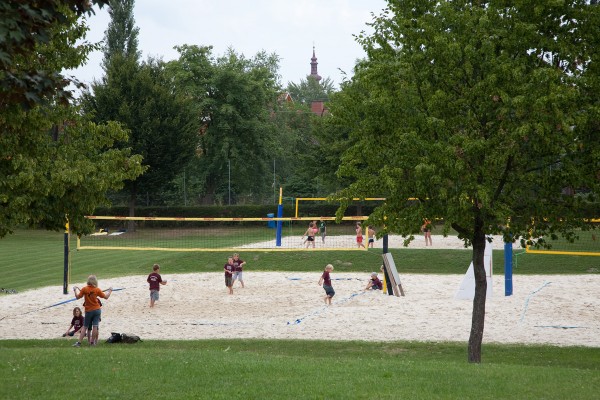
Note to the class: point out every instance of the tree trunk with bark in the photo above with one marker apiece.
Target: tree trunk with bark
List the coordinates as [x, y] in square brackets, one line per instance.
[478, 317]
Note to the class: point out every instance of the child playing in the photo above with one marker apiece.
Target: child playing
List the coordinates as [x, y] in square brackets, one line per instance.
[359, 236]
[374, 282]
[76, 323]
[93, 308]
[326, 282]
[310, 235]
[229, 268]
[371, 236]
[155, 280]
[426, 229]
[238, 265]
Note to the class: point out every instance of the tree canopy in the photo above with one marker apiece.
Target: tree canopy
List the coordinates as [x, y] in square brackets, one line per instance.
[54, 163]
[310, 89]
[121, 36]
[23, 28]
[485, 112]
[233, 97]
[162, 125]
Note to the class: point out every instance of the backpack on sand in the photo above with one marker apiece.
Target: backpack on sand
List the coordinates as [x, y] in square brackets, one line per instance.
[114, 338]
[130, 338]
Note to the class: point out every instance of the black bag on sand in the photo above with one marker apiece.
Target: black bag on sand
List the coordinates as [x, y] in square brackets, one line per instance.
[130, 338]
[114, 338]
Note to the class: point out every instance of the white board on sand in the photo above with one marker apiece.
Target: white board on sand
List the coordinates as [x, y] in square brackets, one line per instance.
[390, 266]
[466, 291]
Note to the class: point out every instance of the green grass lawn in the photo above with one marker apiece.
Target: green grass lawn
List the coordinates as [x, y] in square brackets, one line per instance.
[282, 369]
[34, 258]
[279, 369]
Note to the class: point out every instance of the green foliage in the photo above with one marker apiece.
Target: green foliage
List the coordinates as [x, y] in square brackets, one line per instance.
[24, 28]
[480, 111]
[310, 89]
[34, 259]
[471, 110]
[121, 37]
[162, 125]
[53, 162]
[301, 369]
[232, 96]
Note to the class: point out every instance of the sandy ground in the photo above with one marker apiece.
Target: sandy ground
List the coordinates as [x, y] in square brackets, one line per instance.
[549, 309]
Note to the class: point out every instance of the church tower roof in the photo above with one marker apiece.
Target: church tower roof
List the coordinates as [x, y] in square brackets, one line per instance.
[313, 66]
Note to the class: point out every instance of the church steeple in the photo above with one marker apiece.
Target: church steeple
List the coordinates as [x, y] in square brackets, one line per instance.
[313, 67]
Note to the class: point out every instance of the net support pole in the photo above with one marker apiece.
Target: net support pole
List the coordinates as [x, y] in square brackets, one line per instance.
[66, 260]
[279, 215]
[508, 269]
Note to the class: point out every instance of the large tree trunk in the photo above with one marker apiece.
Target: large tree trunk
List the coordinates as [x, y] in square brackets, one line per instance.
[478, 318]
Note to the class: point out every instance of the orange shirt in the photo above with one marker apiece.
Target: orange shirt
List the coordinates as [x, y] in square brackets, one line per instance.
[91, 294]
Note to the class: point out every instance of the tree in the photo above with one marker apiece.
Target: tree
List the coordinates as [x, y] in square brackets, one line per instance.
[162, 125]
[23, 28]
[484, 112]
[121, 37]
[233, 95]
[310, 89]
[53, 162]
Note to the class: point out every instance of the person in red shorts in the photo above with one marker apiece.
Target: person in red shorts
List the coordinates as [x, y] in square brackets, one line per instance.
[93, 307]
[155, 280]
[229, 269]
[359, 236]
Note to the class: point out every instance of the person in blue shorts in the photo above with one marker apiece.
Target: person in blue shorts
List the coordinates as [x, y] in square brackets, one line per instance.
[326, 282]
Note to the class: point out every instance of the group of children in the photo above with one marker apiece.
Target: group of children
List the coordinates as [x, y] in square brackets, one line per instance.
[88, 325]
[359, 236]
[313, 229]
[233, 271]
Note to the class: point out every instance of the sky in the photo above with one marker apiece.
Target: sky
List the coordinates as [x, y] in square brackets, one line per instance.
[288, 28]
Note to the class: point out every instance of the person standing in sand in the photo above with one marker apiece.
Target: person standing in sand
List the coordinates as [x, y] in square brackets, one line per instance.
[93, 308]
[229, 269]
[371, 236]
[326, 282]
[359, 236]
[310, 235]
[238, 269]
[426, 229]
[155, 280]
[323, 230]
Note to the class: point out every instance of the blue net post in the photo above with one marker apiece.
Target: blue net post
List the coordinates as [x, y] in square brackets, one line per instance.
[508, 269]
[279, 223]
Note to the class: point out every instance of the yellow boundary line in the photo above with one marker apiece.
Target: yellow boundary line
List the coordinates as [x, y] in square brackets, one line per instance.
[119, 218]
[562, 253]
[203, 249]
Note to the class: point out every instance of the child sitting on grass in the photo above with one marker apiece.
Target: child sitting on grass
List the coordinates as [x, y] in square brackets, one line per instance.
[76, 323]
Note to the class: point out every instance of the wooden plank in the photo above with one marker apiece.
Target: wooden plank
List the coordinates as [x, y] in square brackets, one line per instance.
[390, 266]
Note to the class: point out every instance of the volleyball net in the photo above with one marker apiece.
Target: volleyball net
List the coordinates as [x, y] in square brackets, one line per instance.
[586, 243]
[222, 234]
